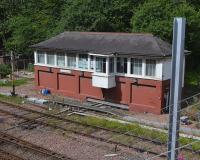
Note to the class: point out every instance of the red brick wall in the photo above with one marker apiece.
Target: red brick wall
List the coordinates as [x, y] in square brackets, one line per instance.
[141, 95]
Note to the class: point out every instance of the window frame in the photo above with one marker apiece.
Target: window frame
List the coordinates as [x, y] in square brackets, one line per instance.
[71, 56]
[48, 56]
[57, 57]
[111, 65]
[135, 61]
[125, 69]
[86, 63]
[154, 67]
[92, 63]
[102, 64]
[37, 57]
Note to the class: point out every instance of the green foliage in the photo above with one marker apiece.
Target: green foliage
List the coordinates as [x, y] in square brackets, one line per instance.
[192, 78]
[34, 22]
[156, 16]
[17, 82]
[11, 99]
[30, 67]
[23, 23]
[133, 129]
[88, 15]
[5, 70]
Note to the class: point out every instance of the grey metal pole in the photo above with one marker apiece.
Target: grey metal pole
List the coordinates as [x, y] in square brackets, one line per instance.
[176, 86]
[13, 76]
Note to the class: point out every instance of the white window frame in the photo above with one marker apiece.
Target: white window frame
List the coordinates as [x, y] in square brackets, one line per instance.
[136, 63]
[79, 66]
[123, 65]
[53, 56]
[102, 65]
[36, 59]
[57, 57]
[68, 58]
[146, 68]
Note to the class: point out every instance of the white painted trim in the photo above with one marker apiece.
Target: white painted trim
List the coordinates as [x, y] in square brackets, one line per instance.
[159, 69]
[107, 65]
[159, 64]
[77, 59]
[143, 67]
[55, 59]
[129, 66]
[100, 55]
[45, 58]
[102, 74]
[35, 57]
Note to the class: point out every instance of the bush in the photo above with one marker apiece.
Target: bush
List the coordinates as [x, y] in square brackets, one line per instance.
[30, 67]
[4, 70]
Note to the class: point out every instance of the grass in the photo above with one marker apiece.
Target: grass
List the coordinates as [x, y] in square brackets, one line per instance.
[134, 129]
[11, 99]
[17, 82]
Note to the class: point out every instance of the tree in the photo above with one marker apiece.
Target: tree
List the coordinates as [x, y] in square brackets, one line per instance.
[35, 22]
[99, 15]
[156, 16]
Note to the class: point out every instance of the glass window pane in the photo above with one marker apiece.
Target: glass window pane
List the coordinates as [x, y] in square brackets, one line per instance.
[83, 61]
[91, 62]
[121, 65]
[101, 64]
[51, 59]
[71, 60]
[61, 60]
[40, 57]
[111, 65]
[150, 67]
[136, 66]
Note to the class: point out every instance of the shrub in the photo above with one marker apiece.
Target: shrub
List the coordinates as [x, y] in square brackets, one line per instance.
[30, 67]
[4, 70]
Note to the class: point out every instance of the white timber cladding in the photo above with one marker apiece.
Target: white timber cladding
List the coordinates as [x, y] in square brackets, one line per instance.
[166, 68]
[162, 66]
[35, 57]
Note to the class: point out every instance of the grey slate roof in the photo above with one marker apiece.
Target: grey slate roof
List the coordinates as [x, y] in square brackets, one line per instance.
[137, 44]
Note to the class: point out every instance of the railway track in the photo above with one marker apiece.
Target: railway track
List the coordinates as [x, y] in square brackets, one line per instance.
[11, 140]
[56, 117]
[9, 156]
[43, 115]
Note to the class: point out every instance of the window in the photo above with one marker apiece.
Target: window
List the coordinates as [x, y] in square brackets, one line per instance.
[101, 64]
[61, 60]
[111, 65]
[83, 61]
[136, 66]
[51, 59]
[40, 57]
[150, 67]
[71, 60]
[121, 65]
[91, 62]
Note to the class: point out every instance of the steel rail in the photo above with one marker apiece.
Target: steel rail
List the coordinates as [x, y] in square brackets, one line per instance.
[11, 155]
[46, 115]
[7, 138]
[137, 149]
[80, 123]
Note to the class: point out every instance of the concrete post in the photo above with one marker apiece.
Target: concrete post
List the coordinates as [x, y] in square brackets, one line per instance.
[176, 87]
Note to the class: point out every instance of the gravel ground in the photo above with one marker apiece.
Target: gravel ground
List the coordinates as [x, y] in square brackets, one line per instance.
[71, 145]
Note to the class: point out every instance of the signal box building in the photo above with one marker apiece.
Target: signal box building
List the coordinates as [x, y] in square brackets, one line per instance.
[123, 68]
